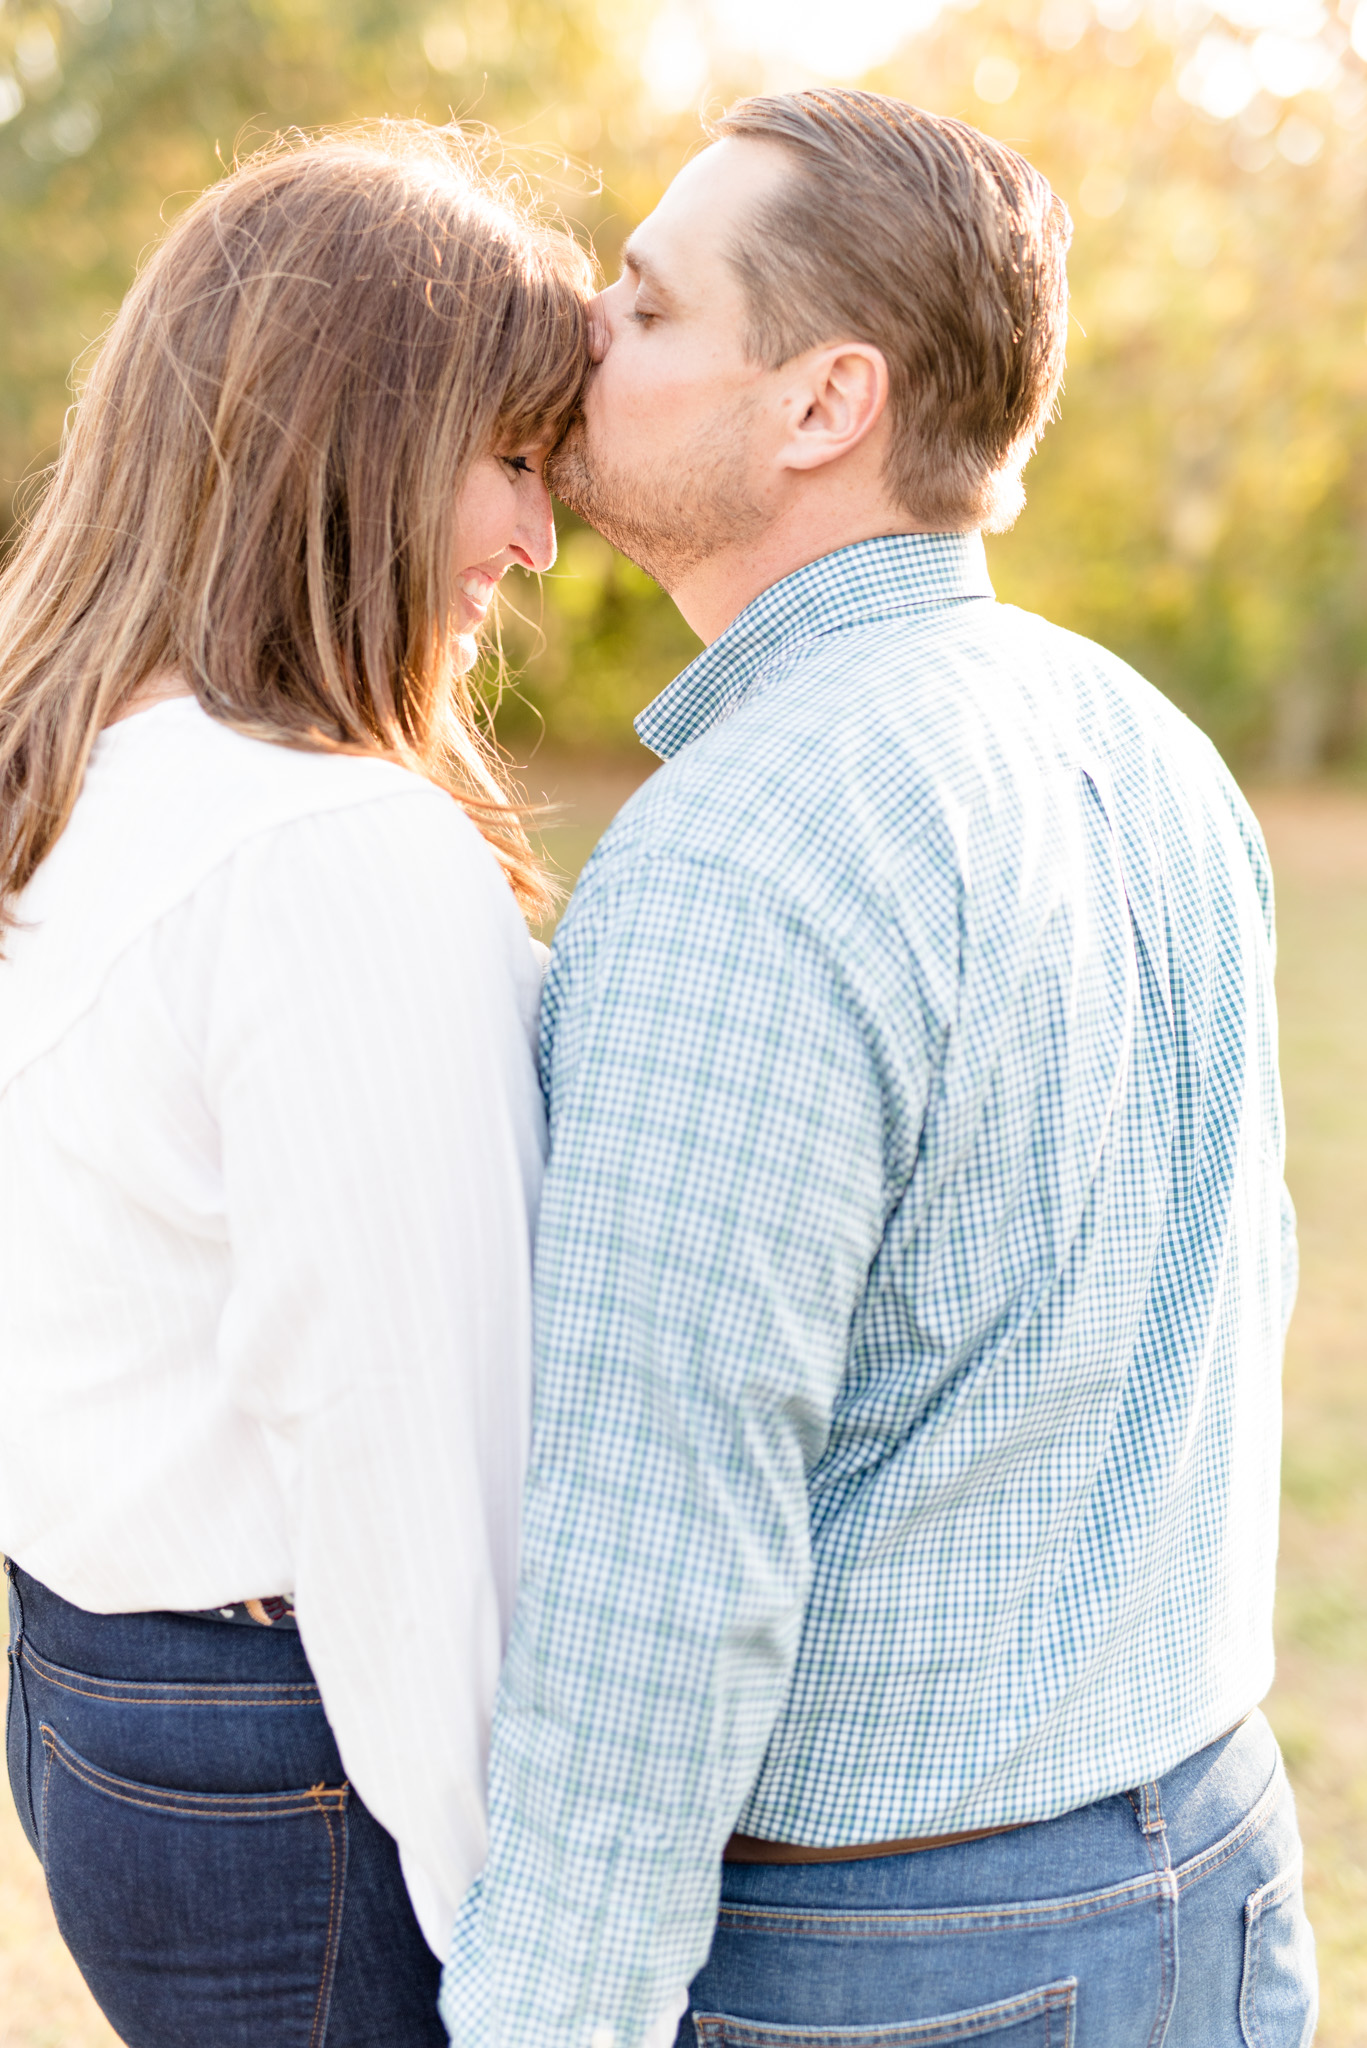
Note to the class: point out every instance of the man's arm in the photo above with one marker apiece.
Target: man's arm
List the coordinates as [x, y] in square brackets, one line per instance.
[716, 1195]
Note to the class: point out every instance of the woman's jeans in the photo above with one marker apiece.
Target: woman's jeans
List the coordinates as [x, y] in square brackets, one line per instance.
[1168, 1915]
[213, 1874]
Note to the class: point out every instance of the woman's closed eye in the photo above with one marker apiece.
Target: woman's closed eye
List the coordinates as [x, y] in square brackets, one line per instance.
[519, 464]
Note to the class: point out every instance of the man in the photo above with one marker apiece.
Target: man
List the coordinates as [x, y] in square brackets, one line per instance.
[914, 1258]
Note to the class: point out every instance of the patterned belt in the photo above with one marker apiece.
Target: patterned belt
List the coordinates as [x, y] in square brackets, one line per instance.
[275, 1612]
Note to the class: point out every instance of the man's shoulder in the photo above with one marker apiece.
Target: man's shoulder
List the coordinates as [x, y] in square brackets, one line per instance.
[875, 775]
[888, 723]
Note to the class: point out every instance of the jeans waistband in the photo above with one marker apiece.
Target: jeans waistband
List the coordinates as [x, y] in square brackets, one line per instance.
[156, 1643]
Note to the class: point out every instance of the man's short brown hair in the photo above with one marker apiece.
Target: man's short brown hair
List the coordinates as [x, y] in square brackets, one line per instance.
[943, 249]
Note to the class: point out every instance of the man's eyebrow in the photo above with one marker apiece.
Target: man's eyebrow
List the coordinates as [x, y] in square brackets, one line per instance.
[641, 266]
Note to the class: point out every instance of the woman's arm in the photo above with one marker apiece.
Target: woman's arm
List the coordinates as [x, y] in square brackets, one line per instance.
[369, 1066]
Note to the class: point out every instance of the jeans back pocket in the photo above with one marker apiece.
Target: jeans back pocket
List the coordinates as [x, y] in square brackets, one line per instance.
[196, 1916]
[1039, 2018]
[1278, 1998]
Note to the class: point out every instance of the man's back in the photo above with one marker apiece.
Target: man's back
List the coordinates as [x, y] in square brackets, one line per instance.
[1050, 913]
[910, 1269]
[913, 1260]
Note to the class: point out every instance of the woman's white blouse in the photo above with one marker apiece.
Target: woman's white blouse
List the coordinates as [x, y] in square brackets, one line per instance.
[270, 1146]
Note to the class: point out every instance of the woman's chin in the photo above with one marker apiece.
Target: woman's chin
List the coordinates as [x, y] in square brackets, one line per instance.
[467, 651]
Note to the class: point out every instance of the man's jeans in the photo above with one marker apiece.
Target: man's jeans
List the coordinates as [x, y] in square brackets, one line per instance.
[211, 1871]
[1171, 1914]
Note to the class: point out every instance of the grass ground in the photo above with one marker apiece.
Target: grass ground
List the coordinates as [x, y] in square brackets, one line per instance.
[1319, 1704]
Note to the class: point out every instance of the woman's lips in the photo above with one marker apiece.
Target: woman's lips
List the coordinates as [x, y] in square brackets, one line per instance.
[476, 591]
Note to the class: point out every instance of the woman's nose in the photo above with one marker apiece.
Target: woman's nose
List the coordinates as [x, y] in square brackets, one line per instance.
[536, 527]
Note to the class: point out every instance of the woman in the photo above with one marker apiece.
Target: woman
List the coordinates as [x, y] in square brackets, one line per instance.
[270, 1132]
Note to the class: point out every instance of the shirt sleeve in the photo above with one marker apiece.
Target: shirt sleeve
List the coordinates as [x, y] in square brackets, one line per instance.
[715, 1198]
[371, 1072]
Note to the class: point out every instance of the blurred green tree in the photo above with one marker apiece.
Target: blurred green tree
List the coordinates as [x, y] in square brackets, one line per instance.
[1200, 505]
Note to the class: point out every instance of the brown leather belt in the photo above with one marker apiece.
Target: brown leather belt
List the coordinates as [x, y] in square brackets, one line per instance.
[750, 1848]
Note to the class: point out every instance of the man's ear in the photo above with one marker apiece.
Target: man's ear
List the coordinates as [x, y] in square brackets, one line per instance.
[837, 396]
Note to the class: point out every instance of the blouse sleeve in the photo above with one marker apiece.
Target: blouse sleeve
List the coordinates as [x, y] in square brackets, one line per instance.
[369, 1066]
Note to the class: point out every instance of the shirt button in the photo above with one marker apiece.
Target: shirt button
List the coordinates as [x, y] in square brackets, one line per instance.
[603, 2037]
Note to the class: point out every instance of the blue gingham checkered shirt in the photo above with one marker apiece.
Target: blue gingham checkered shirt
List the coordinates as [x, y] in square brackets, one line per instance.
[912, 1277]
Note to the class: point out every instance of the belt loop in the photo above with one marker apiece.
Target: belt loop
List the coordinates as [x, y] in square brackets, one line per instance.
[1148, 1808]
[16, 1597]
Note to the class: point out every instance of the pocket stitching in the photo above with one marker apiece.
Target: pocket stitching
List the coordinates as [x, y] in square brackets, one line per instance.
[248, 1805]
[169, 1694]
[1047, 1912]
[1046, 2000]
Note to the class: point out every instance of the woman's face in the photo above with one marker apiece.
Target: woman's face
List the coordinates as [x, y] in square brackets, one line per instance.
[503, 520]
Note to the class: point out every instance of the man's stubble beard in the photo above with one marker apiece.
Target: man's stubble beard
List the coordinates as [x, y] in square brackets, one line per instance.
[667, 518]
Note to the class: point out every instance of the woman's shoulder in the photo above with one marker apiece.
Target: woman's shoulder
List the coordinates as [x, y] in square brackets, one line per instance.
[178, 757]
[172, 794]
[173, 789]
[172, 798]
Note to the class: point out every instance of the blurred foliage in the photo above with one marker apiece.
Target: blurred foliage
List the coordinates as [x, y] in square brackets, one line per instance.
[1201, 506]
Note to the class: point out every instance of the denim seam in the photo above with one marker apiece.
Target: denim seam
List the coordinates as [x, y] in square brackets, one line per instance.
[172, 1694]
[1042, 1913]
[320, 1797]
[17, 1650]
[232, 1803]
[47, 1787]
[1154, 1832]
[1207, 1861]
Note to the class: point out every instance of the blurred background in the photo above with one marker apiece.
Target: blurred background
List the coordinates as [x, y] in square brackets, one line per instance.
[1200, 507]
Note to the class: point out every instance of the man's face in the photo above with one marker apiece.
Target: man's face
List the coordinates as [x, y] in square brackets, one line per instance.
[666, 454]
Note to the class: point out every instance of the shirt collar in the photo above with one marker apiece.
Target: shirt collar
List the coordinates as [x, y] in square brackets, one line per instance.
[873, 579]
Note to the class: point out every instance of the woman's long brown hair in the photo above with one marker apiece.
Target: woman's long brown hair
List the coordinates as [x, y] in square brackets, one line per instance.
[259, 486]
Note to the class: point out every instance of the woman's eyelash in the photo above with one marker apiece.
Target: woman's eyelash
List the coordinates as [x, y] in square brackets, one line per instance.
[519, 463]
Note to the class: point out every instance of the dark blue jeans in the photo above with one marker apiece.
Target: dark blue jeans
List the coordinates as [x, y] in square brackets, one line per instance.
[1167, 1917]
[213, 1874]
